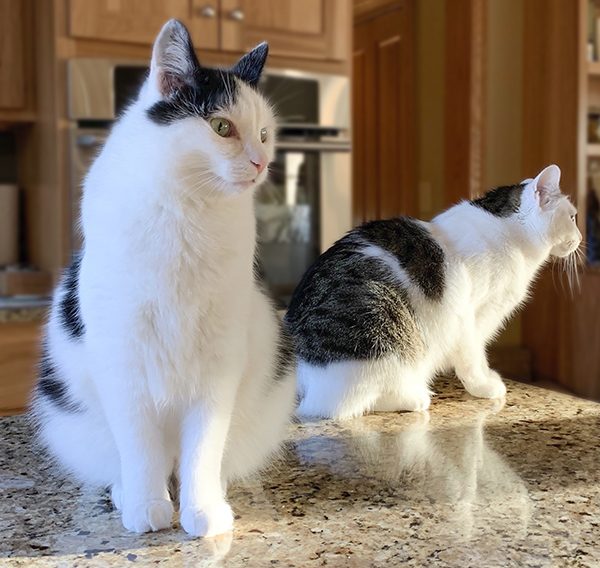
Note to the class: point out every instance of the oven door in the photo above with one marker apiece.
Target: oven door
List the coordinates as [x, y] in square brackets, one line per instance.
[301, 210]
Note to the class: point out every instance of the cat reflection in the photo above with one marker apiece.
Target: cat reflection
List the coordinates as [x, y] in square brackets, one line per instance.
[452, 467]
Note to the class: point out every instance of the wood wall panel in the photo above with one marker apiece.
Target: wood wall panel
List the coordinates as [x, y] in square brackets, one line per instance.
[17, 97]
[384, 114]
[360, 135]
[582, 338]
[464, 99]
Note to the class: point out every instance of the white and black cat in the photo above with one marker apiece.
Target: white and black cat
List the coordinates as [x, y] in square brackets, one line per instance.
[161, 349]
[393, 302]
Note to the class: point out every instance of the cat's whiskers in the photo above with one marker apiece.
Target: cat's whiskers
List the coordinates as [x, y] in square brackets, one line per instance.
[571, 266]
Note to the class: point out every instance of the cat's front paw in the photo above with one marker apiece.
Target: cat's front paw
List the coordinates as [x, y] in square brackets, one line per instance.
[152, 515]
[208, 521]
[491, 386]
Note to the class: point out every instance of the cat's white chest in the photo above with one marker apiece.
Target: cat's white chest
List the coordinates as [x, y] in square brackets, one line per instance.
[195, 307]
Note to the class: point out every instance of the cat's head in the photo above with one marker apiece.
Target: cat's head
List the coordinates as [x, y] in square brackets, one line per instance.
[220, 128]
[550, 213]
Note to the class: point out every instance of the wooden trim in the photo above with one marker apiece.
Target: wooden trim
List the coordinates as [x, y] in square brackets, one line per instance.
[464, 102]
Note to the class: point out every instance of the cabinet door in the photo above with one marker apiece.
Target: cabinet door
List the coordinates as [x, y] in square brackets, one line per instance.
[138, 21]
[12, 72]
[311, 29]
[383, 115]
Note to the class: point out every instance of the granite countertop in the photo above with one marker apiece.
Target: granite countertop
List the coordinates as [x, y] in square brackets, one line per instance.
[467, 484]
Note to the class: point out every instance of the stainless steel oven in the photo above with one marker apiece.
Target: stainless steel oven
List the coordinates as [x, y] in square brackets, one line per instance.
[306, 203]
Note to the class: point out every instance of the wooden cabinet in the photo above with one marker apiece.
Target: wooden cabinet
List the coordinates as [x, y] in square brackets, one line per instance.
[13, 54]
[19, 348]
[131, 21]
[305, 30]
[383, 112]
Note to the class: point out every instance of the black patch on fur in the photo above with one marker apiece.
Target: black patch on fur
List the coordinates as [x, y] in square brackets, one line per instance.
[51, 387]
[69, 305]
[418, 253]
[250, 66]
[349, 306]
[209, 91]
[501, 201]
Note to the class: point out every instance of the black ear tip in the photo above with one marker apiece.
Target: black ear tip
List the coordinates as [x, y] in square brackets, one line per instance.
[261, 50]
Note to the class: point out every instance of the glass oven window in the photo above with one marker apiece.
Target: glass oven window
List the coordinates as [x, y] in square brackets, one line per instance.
[287, 211]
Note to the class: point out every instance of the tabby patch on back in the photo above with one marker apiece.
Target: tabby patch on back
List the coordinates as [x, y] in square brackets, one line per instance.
[394, 302]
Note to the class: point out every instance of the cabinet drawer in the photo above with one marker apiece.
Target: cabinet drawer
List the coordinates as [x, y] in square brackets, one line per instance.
[311, 29]
[130, 21]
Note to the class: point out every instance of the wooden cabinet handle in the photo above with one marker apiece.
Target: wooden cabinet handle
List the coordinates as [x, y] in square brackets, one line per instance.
[207, 11]
[237, 15]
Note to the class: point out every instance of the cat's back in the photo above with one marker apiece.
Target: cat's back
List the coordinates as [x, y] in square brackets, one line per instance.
[362, 298]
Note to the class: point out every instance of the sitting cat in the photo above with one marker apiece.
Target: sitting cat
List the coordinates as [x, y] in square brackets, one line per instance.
[393, 302]
[161, 349]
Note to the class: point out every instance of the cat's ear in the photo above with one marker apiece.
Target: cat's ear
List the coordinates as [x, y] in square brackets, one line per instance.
[250, 66]
[547, 185]
[174, 61]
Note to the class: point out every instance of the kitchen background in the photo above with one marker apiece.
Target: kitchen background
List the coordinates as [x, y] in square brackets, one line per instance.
[387, 107]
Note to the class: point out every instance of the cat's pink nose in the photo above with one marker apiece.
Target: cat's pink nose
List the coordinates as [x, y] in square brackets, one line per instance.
[260, 166]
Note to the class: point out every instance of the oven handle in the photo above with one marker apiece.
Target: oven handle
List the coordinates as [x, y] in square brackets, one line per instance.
[94, 140]
[300, 146]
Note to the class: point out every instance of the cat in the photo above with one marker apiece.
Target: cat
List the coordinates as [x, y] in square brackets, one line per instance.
[395, 301]
[161, 349]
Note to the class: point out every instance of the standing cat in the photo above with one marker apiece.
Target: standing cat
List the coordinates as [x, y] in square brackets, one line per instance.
[393, 302]
[161, 349]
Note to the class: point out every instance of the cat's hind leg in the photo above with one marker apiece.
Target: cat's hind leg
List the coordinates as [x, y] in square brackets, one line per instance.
[406, 388]
[76, 435]
[340, 390]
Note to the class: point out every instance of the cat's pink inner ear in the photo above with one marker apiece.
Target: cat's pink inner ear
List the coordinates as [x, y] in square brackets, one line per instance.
[547, 185]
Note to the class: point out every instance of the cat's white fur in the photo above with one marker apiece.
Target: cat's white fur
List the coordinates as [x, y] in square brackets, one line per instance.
[490, 264]
[177, 364]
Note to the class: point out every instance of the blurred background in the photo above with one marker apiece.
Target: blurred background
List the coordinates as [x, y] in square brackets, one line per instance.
[387, 107]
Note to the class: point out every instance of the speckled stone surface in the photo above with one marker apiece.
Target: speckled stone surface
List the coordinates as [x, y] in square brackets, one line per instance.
[468, 484]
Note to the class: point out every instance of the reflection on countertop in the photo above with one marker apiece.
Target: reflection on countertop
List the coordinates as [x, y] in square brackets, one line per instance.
[468, 484]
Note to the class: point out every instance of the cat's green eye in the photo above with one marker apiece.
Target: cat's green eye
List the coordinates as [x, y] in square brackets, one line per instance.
[263, 135]
[221, 126]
